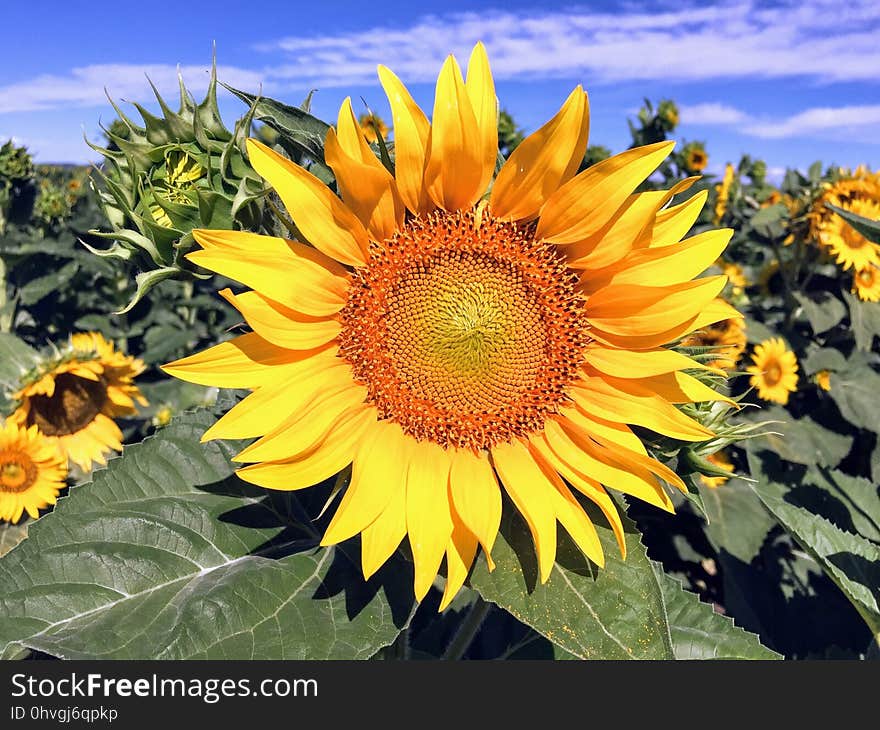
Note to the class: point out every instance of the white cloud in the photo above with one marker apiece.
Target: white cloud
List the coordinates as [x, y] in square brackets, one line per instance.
[818, 121]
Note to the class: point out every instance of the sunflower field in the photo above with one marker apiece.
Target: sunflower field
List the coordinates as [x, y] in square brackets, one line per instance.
[432, 387]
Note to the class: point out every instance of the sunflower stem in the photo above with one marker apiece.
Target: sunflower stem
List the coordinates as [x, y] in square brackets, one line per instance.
[467, 630]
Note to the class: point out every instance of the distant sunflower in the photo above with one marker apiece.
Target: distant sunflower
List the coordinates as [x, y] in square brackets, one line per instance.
[866, 283]
[722, 461]
[859, 194]
[823, 379]
[695, 158]
[372, 126]
[727, 335]
[736, 277]
[722, 192]
[32, 471]
[774, 370]
[449, 342]
[74, 397]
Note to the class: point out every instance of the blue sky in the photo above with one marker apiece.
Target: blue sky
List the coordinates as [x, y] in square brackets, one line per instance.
[791, 82]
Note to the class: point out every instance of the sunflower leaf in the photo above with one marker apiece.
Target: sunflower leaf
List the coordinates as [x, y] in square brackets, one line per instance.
[16, 358]
[865, 320]
[166, 554]
[700, 633]
[855, 393]
[822, 309]
[870, 229]
[615, 612]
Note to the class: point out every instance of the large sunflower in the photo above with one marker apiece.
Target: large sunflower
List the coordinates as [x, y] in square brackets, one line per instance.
[858, 194]
[446, 341]
[74, 397]
[774, 370]
[32, 471]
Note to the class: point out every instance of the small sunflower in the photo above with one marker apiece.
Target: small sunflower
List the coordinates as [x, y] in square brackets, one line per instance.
[721, 460]
[695, 158]
[449, 342]
[74, 396]
[866, 283]
[372, 126]
[736, 277]
[774, 372]
[859, 194]
[32, 471]
[823, 379]
[728, 335]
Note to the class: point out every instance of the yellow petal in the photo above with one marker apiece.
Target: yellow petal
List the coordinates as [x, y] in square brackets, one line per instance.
[595, 396]
[673, 223]
[674, 387]
[428, 514]
[382, 536]
[330, 456]
[367, 188]
[476, 496]
[453, 165]
[481, 92]
[410, 142]
[543, 161]
[590, 488]
[633, 310]
[248, 361]
[532, 495]
[309, 425]
[638, 363]
[322, 217]
[460, 554]
[663, 266]
[378, 475]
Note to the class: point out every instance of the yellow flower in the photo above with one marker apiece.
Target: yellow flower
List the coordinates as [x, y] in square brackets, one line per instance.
[728, 335]
[448, 343]
[370, 124]
[695, 158]
[32, 471]
[823, 379]
[163, 416]
[74, 397]
[859, 194]
[774, 372]
[735, 276]
[723, 192]
[866, 283]
[719, 459]
[772, 199]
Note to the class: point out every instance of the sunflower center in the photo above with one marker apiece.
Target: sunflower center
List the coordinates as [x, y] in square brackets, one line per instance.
[866, 277]
[773, 374]
[74, 404]
[17, 472]
[464, 334]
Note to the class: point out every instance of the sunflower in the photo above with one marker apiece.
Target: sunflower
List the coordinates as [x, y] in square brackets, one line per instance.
[74, 397]
[695, 158]
[32, 471]
[774, 372]
[735, 276]
[372, 126]
[859, 194]
[727, 335]
[823, 379]
[866, 283]
[447, 342]
[721, 460]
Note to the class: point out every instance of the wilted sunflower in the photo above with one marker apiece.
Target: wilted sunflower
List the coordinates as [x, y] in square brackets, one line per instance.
[444, 340]
[722, 461]
[774, 372]
[866, 283]
[32, 471]
[859, 194]
[74, 396]
[728, 335]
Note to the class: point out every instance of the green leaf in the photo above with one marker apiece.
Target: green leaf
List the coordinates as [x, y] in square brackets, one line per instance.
[738, 522]
[615, 612]
[16, 358]
[804, 441]
[822, 309]
[870, 229]
[767, 222]
[850, 561]
[166, 554]
[864, 318]
[825, 358]
[855, 392]
[700, 633]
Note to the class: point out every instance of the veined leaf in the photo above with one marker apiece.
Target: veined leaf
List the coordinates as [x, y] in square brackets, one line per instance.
[865, 320]
[803, 441]
[738, 522]
[855, 393]
[700, 633]
[822, 309]
[166, 554]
